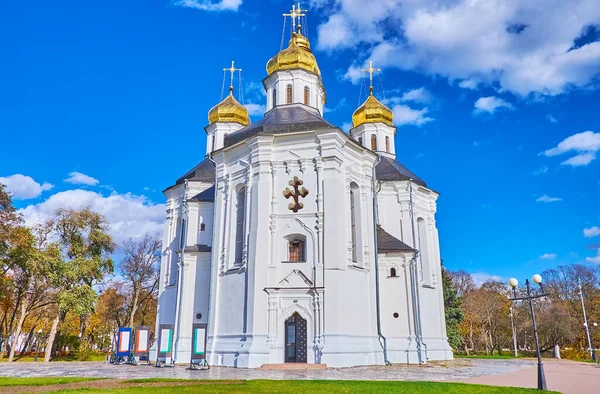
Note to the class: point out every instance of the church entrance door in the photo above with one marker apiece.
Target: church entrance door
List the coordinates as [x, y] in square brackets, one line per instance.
[295, 339]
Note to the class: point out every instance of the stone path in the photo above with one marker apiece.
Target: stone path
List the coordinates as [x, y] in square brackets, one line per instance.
[452, 370]
[566, 376]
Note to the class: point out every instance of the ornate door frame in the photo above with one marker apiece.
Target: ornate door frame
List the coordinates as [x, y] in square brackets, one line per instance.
[300, 338]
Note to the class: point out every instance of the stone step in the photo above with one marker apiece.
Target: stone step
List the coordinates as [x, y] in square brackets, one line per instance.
[294, 366]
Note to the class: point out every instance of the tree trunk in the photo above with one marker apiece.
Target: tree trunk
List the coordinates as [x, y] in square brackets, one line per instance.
[18, 329]
[134, 307]
[51, 337]
[464, 342]
[28, 343]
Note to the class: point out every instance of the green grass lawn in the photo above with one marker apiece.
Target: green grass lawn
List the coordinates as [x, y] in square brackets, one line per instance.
[312, 387]
[39, 381]
[69, 357]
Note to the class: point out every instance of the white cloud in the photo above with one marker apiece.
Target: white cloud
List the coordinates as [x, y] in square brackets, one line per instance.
[551, 118]
[522, 46]
[585, 144]
[403, 115]
[582, 159]
[341, 104]
[129, 215]
[595, 260]
[481, 277]
[335, 34]
[542, 170]
[420, 95]
[548, 256]
[476, 144]
[546, 198]
[254, 91]
[23, 187]
[346, 127]
[255, 109]
[208, 5]
[591, 232]
[468, 84]
[490, 105]
[78, 178]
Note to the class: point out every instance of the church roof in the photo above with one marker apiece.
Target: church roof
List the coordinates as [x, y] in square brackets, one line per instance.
[282, 119]
[388, 243]
[207, 195]
[204, 172]
[391, 170]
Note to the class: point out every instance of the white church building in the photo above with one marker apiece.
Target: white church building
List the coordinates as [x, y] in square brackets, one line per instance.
[293, 241]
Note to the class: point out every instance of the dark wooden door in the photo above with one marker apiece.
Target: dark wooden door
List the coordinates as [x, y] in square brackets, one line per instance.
[295, 339]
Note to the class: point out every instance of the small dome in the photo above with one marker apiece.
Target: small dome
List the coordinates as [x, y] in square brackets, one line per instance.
[372, 111]
[296, 56]
[229, 110]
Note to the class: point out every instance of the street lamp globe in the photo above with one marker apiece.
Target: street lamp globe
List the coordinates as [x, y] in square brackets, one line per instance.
[537, 279]
[595, 324]
[40, 331]
[513, 282]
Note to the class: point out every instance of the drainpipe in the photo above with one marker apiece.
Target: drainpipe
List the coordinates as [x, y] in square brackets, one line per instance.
[415, 285]
[382, 339]
[180, 275]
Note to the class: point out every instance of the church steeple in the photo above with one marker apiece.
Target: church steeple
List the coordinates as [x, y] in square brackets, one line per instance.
[373, 122]
[226, 117]
[293, 74]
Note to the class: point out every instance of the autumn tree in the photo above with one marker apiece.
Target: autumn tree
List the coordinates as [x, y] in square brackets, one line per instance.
[140, 269]
[85, 247]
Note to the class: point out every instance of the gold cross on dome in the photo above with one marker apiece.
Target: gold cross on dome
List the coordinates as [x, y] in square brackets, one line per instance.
[295, 194]
[370, 70]
[295, 13]
[232, 70]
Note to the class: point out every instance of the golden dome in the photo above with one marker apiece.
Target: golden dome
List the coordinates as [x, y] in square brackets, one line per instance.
[229, 110]
[372, 111]
[296, 55]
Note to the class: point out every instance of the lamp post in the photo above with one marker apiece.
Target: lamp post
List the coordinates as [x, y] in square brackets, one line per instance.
[585, 322]
[593, 325]
[514, 335]
[529, 295]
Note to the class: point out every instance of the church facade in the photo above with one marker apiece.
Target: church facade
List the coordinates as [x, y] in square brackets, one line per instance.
[293, 241]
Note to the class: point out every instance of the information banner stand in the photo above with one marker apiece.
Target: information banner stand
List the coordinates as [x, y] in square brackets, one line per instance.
[141, 349]
[165, 346]
[123, 345]
[198, 357]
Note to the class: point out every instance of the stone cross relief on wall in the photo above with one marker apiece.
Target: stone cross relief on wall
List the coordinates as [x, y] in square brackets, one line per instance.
[295, 194]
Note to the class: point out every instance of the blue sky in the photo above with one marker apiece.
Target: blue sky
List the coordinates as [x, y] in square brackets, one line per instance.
[496, 103]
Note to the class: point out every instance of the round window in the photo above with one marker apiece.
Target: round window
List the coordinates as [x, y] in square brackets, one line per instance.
[198, 316]
[396, 315]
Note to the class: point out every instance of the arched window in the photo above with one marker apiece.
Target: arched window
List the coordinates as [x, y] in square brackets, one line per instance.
[393, 272]
[239, 225]
[360, 140]
[296, 250]
[212, 148]
[274, 97]
[306, 95]
[288, 95]
[373, 142]
[387, 144]
[354, 216]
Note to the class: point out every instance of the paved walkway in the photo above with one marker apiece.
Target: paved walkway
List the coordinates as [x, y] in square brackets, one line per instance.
[451, 370]
[566, 376]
